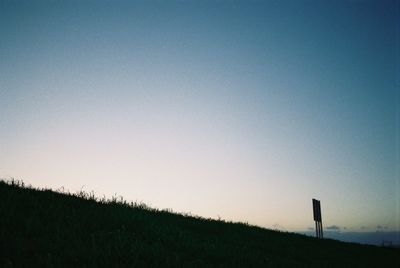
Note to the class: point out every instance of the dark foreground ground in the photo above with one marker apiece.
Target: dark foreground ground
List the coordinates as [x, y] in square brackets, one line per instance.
[42, 228]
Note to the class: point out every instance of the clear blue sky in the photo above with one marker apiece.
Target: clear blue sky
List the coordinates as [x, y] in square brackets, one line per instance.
[243, 110]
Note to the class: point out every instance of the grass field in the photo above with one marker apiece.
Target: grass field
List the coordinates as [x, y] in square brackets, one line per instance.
[43, 228]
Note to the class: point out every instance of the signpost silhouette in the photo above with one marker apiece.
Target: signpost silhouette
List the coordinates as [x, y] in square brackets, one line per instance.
[318, 218]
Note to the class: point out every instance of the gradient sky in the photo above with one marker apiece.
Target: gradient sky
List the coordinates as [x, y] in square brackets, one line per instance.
[243, 110]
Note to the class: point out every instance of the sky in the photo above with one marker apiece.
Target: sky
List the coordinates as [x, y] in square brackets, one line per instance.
[239, 110]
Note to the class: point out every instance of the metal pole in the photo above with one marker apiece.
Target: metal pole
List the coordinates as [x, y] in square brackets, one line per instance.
[322, 232]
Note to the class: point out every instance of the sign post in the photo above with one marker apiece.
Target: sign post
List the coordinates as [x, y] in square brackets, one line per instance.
[317, 218]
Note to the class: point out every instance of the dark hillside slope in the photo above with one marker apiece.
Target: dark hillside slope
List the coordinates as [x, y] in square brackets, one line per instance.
[42, 228]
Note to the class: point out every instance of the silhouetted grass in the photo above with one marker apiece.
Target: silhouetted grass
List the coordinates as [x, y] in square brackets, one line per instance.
[43, 228]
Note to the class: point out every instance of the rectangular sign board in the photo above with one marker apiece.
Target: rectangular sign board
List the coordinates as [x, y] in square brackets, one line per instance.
[317, 210]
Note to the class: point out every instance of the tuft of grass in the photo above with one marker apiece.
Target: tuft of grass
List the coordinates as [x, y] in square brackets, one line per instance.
[45, 228]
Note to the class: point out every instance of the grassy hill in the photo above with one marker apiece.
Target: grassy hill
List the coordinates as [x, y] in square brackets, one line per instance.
[43, 228]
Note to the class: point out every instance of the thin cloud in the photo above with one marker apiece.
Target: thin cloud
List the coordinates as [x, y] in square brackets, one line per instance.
[333, 227]
[380, 227]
